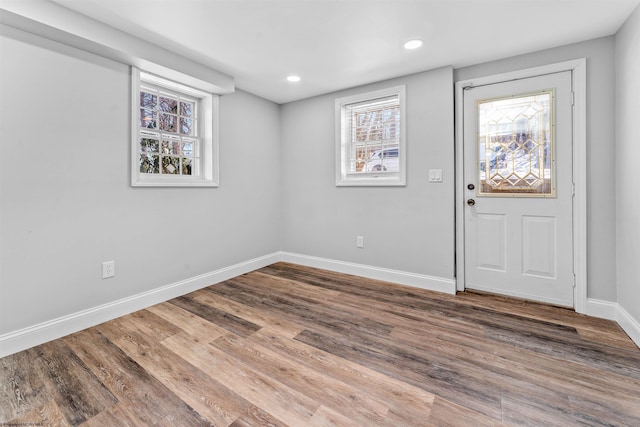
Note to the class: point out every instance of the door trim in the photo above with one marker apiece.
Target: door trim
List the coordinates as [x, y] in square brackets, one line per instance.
[578, 70]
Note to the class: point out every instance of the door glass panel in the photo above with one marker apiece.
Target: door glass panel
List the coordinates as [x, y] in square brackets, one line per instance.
[515, 146]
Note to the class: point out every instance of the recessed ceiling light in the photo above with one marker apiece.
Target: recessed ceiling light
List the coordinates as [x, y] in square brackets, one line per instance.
[293, 79]
[413, 44]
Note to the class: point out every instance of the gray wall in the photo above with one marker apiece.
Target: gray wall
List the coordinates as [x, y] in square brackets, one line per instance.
[627, 155]
[601, 200]
[66, 203]
[405, 228]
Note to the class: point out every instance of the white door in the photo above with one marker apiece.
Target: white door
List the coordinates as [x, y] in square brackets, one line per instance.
[518, 188]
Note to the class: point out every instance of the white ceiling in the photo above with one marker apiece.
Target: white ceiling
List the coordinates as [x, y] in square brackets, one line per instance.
[336, 44]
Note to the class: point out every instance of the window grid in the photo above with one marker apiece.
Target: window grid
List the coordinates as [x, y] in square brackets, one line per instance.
[168, 132]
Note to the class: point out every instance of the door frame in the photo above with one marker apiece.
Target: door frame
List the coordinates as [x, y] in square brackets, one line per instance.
[578, 68]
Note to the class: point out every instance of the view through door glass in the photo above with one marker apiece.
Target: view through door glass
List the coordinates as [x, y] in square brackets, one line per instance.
[515, 145]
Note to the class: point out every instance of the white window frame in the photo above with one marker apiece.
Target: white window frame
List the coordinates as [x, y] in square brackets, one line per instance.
[344, 176]
[207, 122]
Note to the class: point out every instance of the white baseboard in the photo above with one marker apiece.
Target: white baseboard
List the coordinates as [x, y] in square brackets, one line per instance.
[31, 336]
[402, 277]
[630, 325]
[601, 309]
[22, 339]
[614, 311]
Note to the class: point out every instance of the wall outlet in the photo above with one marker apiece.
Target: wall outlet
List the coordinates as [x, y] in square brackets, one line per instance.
[359, 242]
[108, 269]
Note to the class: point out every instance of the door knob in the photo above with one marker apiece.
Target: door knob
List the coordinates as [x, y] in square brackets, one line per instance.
[471, 202]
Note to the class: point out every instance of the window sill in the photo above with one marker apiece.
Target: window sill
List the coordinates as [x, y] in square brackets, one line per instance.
[172, 181]
[371, 180]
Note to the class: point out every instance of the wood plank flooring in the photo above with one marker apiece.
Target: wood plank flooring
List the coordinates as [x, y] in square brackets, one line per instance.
[295, 346]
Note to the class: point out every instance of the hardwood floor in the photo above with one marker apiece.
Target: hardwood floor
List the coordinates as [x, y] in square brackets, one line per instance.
[292, 345]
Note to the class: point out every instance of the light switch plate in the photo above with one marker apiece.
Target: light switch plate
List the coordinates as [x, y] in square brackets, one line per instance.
[435, 175]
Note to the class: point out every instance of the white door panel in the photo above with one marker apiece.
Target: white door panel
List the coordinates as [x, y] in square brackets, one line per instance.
[539, 252]
[518, 181]
[492, 229]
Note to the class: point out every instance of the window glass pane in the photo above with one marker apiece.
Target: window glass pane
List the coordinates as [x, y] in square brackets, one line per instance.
[515, 142]
[170, 165]
[168, 122]
[169, 105]
[149, 163]
[186, 109]
[185, 125]
[148, 100]
[190, 147]
[187, 149]
[148, 119]
[171, 146]
[186, 166]
[383, 160]
[149, 145]
[391, 123]
[377, 124]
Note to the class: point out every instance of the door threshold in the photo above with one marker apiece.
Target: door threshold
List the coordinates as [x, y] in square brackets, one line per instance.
[504, 299]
